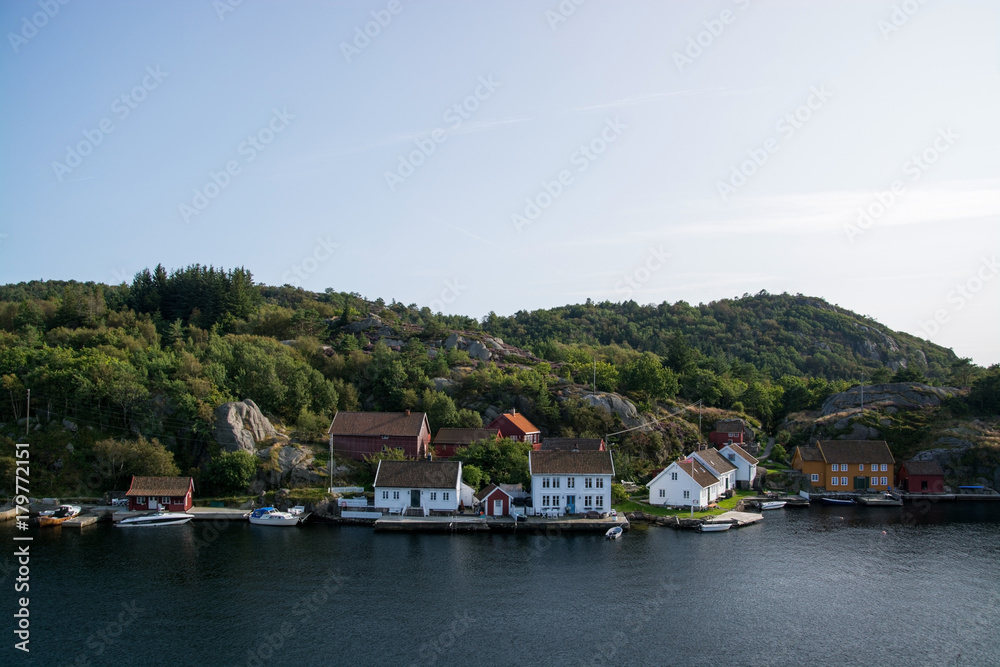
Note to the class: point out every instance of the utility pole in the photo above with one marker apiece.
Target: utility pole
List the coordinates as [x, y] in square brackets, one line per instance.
[27, 415]
[862, 391]
[595, 376]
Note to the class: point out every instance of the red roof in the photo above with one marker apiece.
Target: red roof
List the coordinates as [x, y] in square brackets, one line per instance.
[518, 421]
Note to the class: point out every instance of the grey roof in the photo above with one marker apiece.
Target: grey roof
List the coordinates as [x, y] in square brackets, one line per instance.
[715, 461]
[418, 474]
[742, 453]
[571, 463]
[699, 473]
[569, 444]
[378, 423]
[923, 468]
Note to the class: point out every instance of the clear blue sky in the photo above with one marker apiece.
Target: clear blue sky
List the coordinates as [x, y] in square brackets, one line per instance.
[674, 150]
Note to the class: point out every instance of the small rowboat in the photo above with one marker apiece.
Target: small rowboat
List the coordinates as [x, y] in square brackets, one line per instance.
[714, 527]
[614, 533]
[58, 515]
[838, 501]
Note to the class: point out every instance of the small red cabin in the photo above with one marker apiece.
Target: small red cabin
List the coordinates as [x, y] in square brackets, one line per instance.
[153, 493]
[517, 427]
[494, 501]
[921, 477]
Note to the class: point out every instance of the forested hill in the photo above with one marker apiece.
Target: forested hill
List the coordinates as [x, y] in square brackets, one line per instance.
[777, 334]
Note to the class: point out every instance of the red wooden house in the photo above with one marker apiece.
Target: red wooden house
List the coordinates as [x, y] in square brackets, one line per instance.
[358, 434]
[727, 432]
[573, 445]
[517, 427]
[494, 501]
[153, 493]
[448, 440]
[921, 477]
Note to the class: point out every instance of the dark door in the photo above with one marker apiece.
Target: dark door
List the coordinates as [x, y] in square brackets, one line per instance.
[415, 498]
[860, 483]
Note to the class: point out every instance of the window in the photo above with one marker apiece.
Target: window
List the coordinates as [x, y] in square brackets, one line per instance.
[687, 494]
[165, 500]
[385, 495]
[834, 481]
[600, 501]
[861, 467]
[588, 482]
[385, 437]
[395, 495]
[555, 482]
[836, 467]
[434, 495]
[814, 477]
[446, 495]
[673, 477]
[555, 501]
[588, 502]
[874, 481]
[885, 481]
[663, 493]
[600, 482]
[843, 481]
[546, 482]
[883, 467]
[732, 457]
[545, 501]
[571, 482]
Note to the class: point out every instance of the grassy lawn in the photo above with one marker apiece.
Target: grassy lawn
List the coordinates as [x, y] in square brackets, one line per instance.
[724, 506]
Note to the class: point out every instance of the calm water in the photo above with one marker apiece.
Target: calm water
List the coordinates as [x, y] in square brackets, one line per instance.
[821, 586]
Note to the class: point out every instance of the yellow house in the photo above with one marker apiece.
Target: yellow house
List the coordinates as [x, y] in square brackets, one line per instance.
[847, 465]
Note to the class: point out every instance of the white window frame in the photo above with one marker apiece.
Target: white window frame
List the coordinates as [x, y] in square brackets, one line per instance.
[434, 495]
[663, 493]
[545, 501]
[673, 477]
[687, 494]
[843, 481]
[861, 467]
[599, 502]
[834, 481]
[571, 482]
[600, 483]
[546, 482]
[874, 481]
[814, 477]
[385, 495]
[885, 481]
[555, 482]
[395, 495]
[588, 502]
[588, 482]
[446, 495]
[883, 468]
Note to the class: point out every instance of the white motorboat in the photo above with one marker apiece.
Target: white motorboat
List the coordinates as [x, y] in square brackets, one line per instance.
[772, 505]
[156, 519]
[614, 533]
[714, 527]
[269, 516]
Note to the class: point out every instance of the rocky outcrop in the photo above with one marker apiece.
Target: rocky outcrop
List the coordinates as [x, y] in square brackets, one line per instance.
[900, 395]
[616, 404]
[241, 425]
[446, 385]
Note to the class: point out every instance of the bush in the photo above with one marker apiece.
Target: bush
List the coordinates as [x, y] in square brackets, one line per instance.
[618, 493]
[231, 472]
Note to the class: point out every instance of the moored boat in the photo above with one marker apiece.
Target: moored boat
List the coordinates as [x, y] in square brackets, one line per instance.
[614, 533]
[156, 519]
[838, 501]
[714, 527]
[772, 505]
[269, 516]
[58, 515]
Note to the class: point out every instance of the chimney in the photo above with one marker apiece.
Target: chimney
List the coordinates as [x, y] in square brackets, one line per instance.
[407, 412]
[513, 411]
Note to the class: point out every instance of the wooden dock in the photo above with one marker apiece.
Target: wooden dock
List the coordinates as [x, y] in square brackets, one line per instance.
[80, 521]
[738, 519]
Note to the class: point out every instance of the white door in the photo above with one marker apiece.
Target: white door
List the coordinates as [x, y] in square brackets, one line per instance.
[153, 504]
[498, 508]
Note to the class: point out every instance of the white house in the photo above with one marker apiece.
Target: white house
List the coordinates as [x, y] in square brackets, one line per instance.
[746, 465]
[683, 484]
[568, 482]
[719, 466]
[467, 496]
[423, 485]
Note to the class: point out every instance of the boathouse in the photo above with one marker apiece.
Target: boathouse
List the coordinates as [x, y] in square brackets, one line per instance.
[921, 477]
[494, 500]
[153, 493]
